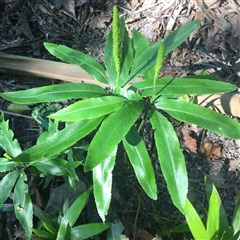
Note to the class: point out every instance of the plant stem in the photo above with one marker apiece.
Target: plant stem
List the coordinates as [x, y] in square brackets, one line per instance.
[137, 213]
[143, 120]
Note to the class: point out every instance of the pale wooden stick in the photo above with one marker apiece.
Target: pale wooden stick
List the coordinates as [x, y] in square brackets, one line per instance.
[44, 68]
[227, 103]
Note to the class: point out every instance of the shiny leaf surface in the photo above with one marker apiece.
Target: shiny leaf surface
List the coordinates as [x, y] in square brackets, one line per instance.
[55, 93]
[86, 231]
[182, 86]
[89, 108]
[6, 165]
[6, 185]
[111, 132]
[23, 204]
[59, 141]
[58, 167]
[194, 222]
[102, 183]
[201, 116]
[90, 65]
[141, 162]
[171, 159]
[11, 146]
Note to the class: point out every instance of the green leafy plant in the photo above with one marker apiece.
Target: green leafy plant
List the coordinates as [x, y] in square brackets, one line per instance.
[114, 113]
[16, 177]
[52, 228]
[15, 174]
[216, 225]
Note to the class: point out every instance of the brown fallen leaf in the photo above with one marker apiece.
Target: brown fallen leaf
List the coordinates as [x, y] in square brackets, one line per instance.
[134, 3]
[234, 19]
[206, 148]
[190, 143]
[210, 150]
[99, 21]
[142, 234]
[233, 164]
[216, 151]
[219, 20]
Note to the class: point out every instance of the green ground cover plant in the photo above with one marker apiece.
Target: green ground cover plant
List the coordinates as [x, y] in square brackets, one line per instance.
[52, 228]
[15, 178]
[114, 113]
[216, 225]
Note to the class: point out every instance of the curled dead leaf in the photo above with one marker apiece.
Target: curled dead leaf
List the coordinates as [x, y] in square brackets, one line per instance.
[210, 150]
[216, 151]
[206, 148]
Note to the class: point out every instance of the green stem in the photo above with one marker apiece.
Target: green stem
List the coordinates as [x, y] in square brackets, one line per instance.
[154, 87]
[144, 119]
[137, 213]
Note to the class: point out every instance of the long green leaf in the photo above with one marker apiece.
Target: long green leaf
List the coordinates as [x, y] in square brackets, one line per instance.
[90, 65]
[70, 217]
[6, 185]
[141, 162]
[63, 231]
[212, 195]
[50, 227]
[171, 159]
[59, 141]
[55, 93]
[76, 208]
[86, 231]
[48, 223]
[102, 184]
[140, 43]
[6, 165]
[213, 216]
[11, 146]
[236, 214]
[158, 65]
[179, 35]
[127, 55]
[201, 116]
[148, 58]
[194, 222]
[89, 108]
[144, 61]
[23, 204]
[111, 132]
[43, 234]
[109, 61]
[182, 86]
[58, 167]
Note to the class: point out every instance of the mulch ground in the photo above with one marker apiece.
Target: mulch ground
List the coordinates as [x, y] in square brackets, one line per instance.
[83, 25]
